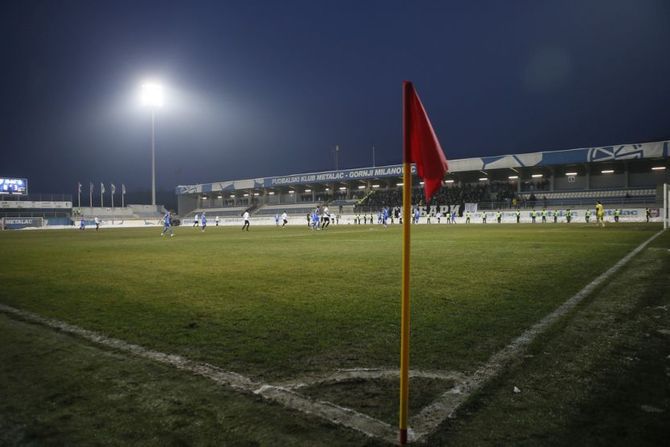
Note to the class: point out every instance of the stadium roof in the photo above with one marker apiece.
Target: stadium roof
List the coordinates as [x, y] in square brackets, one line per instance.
[653, 150]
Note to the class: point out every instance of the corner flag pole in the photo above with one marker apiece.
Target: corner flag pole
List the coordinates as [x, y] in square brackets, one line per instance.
[420, 146]
[404, 321]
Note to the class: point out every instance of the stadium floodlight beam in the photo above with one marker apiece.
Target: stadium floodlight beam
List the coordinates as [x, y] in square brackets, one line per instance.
[151, 95]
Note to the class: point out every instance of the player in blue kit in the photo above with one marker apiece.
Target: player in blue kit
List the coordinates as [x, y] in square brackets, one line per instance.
[167, 225]
[203, 219]
[385, 216]
[315, 219]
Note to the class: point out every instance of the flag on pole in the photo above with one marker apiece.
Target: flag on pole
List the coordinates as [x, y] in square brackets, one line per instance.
[102, 188]
[113, 188]
[420, 146]
[423, 147]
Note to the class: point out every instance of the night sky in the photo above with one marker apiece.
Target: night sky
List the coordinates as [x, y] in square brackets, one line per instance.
[262, 88]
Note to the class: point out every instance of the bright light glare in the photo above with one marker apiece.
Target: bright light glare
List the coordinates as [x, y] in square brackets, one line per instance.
[152, 94]
[658, 168]
[570, 174]
[607, 171]
[483, 179]
[361, 186]
[513, 177]
[342, 188]
[537, 175]
[308, 190]
[375, 186]
[449, 181]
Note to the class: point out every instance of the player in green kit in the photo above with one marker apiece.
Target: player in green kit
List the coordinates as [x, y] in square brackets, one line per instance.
[518, 215]
[555, 214]
[587, 216]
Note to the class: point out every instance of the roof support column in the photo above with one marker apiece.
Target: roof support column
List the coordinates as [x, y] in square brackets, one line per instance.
[626, 175]
[588, 176]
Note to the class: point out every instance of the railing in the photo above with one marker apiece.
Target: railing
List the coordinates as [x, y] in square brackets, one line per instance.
[28, 213]
[38, 198]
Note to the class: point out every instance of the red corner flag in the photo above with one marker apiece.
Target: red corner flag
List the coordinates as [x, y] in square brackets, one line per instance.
[421, 144]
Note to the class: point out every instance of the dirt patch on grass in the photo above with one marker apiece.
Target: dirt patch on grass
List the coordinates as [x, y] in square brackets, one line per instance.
[379, 397]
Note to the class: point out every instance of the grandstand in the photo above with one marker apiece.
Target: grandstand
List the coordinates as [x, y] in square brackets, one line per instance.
[57, 210]
[624, 176]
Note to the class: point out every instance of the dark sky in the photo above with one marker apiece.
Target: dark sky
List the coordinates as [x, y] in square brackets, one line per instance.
[261, 88]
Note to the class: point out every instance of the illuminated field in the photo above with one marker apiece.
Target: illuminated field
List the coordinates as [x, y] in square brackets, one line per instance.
[275, 304]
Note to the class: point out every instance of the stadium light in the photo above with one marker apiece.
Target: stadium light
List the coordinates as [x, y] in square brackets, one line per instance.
[399, 184]
[291, 192]
[483, 179]
[232, 196]
[219, 196]
[513, 177]
[537, 175]
[342, 188]
[308, 190]
[375, 186]
[151, 95]
[256, 194]
[658, 168]
[272, 193]
[421, 183]
[607, 171]
[570, 174]
[327, 189]
[449, 181]
[361, 186]
[246, 194]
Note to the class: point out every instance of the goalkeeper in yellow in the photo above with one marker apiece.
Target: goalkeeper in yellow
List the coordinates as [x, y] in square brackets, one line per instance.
[600, 214]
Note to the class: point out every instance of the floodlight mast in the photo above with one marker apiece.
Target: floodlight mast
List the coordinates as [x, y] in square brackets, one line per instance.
[152, 96]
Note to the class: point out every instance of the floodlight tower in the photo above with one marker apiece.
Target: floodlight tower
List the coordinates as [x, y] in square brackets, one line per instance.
[152, 96]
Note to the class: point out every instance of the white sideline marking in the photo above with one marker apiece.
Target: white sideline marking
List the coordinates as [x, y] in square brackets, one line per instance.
[347, 375]
[288, 398]
[446, 405]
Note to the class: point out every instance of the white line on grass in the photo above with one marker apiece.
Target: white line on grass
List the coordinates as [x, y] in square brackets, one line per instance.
[446, 405]
[288, 398]
[348, 375]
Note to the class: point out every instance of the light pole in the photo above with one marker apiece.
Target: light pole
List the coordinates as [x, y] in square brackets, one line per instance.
[152, 96]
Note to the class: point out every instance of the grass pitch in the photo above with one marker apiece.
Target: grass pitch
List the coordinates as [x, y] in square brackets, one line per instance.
[279, 303]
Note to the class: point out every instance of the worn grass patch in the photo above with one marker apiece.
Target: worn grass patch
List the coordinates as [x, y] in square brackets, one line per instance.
[599, 377]
[59, 390]
[366, 395]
